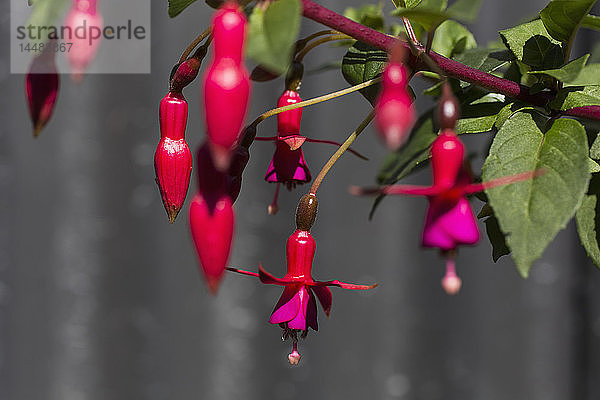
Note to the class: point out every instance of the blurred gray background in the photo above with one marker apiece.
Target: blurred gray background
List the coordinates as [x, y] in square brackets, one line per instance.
[100, 298]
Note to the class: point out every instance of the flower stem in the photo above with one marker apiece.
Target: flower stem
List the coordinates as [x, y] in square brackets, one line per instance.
[451, 68]
[410, 31]
[316, 100]
[317, 34]
[319, 179]
[195, 43]
[320, 41]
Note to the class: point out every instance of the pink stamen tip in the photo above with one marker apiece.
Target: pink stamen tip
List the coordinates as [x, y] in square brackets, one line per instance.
[294, 357]
[273, 208]
[451, 282]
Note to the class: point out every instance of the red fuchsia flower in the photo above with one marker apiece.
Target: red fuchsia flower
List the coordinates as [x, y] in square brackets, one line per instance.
[288, 165]
[450, 221]
[296, 310]
[83, 13]
[41, 88]
[173, 158]
[211, 219]
[395, 114]
[226, 84]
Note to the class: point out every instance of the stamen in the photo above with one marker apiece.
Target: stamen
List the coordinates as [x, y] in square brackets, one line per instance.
[273, 207]
[451, 282]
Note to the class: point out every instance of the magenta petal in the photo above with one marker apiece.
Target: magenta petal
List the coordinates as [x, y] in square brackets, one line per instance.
[287, 165]
[287, 307]
[324, 295]
[299, 321]
[449, 224]
[311, 311]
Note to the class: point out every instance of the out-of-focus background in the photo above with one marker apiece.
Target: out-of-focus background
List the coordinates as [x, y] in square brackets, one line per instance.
[100, 298]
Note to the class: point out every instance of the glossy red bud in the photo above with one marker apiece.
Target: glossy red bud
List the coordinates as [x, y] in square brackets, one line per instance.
[211, 219]
[41, 89]
[447, 154]
[395, 115]
[84, 48]
[288, 122]
[173, 158]
[229, 31]
[185, 73]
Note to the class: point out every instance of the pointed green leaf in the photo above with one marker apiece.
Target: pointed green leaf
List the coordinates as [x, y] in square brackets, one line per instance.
[594, 166]
[532, 212]
[428, 19]
[272, 34]
[370, 15]
[562, 18]
[589, 75]
[532, 44]
[578, 96]
[567, 73]
[588, 221]
[177, 6]
[479, 117]
[452, 38]
[595, 149]
[591, 22]
[362, 63]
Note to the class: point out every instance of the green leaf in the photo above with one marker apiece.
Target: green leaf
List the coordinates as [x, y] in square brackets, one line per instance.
[406, 3]
[589, 75]
[272, 34]
[577, 96]
[567, 73]
[588, 221]
[479, 117]
[591, 22]
[370, 15]
[467, 10]
[508, 111]
[562, 18]
[595, 149]
[532, 212]
[362, 63]
[532, 44]
[46, 13]
[177, 6]
[594, 166]
[452, 38]
[428, 19]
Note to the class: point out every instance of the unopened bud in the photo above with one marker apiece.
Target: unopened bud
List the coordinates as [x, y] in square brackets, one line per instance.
[306, 213]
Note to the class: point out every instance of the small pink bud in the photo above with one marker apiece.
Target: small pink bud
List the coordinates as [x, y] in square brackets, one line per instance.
[41, 88]
[395, 114]
[82, 16]
[294, 357]
[451, 282]
[173, 158]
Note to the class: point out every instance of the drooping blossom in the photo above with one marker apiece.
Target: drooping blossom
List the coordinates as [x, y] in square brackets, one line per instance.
[212, 219]
[296, 310]
[173, 158]
[83, 15]
[41, 89]
[226, 84]
[450, 221]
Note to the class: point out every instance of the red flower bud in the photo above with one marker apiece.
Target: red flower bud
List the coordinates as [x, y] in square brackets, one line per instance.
[173, 158]
[41, 88]
[395, 114]
[82, 52]
[226, 84]
[211, 220]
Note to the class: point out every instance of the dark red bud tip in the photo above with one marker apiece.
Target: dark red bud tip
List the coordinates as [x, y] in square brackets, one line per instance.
[185, 73]
[448, 110]
[261, 74]
[293, 79]
[306, 213]
[172, 212]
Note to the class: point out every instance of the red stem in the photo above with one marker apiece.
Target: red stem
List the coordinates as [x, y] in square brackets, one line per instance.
[451, 68]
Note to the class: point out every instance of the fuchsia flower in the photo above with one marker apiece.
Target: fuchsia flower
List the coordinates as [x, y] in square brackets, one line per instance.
[296, 310]
[288, 165]
[41, 88]
[395, 114]
[212, 219]
[226, 84]
[450, 221]
[173, 158]
[83, 13]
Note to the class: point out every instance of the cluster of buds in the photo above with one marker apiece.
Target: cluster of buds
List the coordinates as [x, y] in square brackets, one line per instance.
[450, 221]
[226, 84]
[296, 310]
[82, 13]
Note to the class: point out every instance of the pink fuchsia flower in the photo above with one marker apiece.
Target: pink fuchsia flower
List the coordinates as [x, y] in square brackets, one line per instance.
[41, 89]
[296, 310]
[173, 158]
[84, 14]
[288, 165]
[212, 219]
[450, 221]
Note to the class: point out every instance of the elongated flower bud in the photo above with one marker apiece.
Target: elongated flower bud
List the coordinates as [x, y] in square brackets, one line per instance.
[211, 220]
[447, 154]
[173, 158]
[183, 74]
[83, 16]
[226, 84]
[395, 114]
[41, 88]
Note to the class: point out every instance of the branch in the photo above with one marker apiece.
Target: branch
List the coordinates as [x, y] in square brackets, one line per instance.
[451, 68]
